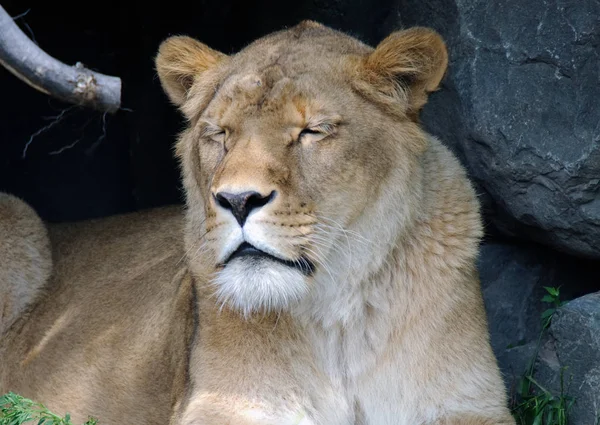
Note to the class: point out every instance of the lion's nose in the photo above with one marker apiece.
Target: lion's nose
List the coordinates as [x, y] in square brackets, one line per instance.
[241, 204]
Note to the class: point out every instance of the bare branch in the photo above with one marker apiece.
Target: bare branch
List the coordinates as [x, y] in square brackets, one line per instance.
[73, 84]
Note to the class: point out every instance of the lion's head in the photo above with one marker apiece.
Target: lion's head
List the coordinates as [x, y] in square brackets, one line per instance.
[301, 160]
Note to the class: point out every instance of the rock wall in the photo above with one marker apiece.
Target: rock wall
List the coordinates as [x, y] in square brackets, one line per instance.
[513, 278]
[574, 345]
[520, 106]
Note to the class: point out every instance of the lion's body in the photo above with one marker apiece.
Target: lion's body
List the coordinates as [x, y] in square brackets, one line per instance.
[25, 258]
[114, 328]
[359, 303]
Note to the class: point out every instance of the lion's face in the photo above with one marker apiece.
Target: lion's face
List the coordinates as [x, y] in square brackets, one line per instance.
[300, 157]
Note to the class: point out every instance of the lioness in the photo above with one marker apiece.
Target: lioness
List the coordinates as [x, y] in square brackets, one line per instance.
[326, 274]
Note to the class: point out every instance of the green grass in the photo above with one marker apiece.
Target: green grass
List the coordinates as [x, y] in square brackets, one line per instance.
[16, 410]
[535, 405]
[538, 406]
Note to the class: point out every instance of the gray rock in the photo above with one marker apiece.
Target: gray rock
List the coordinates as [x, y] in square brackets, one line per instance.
[513, 279]
[573, 348]
[520, 107]
[576, 330]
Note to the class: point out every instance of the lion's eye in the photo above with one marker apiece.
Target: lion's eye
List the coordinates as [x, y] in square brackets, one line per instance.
[314, 134]
[218, 137]
[214, 133]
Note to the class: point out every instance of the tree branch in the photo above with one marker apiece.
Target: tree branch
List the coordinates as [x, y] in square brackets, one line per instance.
[73, 84]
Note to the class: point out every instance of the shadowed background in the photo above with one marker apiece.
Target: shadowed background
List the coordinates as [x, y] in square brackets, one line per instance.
[88, 165]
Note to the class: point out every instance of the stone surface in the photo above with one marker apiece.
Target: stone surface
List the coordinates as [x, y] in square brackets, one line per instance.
[513, 279]
[520, 107]
[574, 346]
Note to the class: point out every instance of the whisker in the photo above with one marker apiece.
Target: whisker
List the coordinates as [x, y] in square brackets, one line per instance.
[200, 247]
[355, 236]
[190, 248]
[340, 227]
[348, 236]
[326, 268]
[321, 261]
[333, 236]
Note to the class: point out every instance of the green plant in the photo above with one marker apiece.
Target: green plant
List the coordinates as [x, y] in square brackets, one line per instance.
[552, 298]
[17, 410]
[536, 405]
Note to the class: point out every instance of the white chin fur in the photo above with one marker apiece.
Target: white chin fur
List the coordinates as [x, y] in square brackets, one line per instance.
[251, 285]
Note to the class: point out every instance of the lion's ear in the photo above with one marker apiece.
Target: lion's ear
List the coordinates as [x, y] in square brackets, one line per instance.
[180, 60]
[407, 66]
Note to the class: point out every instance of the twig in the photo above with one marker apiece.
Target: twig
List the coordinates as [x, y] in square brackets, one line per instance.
[30, 33]
[55, 121]
[64, 148]
[21, 15]
[101, 138]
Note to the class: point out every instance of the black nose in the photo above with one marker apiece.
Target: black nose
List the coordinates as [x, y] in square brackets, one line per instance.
[241, 204]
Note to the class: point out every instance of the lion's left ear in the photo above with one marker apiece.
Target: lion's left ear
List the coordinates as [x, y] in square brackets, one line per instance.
[180, 61]
[405, 67]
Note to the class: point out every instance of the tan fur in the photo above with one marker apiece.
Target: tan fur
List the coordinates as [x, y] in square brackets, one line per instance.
[25, 258]
[388, 328]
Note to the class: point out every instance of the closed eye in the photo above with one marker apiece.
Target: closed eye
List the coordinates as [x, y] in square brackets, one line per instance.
[308, 131]
[317, 133]
[218, 136]
[213, 132]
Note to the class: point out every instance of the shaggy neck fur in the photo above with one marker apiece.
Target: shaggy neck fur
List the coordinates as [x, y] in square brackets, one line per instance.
[349, 312]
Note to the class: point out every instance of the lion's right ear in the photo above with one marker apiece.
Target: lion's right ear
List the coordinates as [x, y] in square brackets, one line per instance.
[180, 60]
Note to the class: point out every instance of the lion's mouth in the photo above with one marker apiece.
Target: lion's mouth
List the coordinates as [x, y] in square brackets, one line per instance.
[303, 264]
